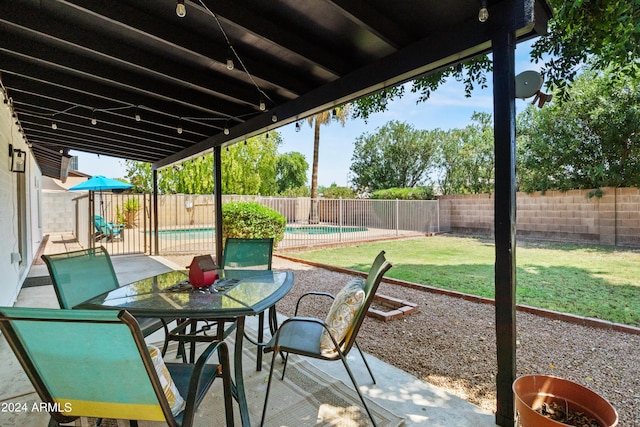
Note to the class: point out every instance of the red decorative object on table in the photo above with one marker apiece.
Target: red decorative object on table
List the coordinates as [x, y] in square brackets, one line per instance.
[202, 271]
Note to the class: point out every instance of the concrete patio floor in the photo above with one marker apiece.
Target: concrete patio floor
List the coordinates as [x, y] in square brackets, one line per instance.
[418, 402]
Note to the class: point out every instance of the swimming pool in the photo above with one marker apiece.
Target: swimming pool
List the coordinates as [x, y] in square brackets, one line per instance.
[208, 232]
[322, 229]
[187, 233]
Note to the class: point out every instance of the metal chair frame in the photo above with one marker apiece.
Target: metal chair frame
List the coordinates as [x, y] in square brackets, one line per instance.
[102, 327]
[241, 249]
[74, 287]
[287, 337]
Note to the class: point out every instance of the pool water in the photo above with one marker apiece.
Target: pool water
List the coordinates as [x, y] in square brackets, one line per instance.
[322, 229]
[187, 233]
[208, 232]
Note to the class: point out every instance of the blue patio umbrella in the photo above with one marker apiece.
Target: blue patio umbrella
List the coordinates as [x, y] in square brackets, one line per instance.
[100, 183]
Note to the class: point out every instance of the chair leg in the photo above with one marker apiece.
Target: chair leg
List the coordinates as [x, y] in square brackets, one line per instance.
[223, 358]
[284, 367]
[166, 337]
[273, 324]
[260, 340]
[266, 397]
[364, 359]
[355, 385]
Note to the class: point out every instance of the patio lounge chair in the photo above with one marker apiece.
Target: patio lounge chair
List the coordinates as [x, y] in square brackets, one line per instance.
[333, 338]
[80, 275]
[252, 254]
[95, 363]
[108, 230]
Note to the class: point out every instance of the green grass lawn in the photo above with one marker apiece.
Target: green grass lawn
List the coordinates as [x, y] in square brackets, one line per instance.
[593, 281]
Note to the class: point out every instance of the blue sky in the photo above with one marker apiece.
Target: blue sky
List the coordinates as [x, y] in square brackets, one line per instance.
[446, 109]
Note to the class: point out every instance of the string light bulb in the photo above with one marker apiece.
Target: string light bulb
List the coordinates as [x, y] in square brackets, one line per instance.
[263, 106]
[181, 9]
[179, 128]
[297, 126]
[274, 118]
[94, 121]
[483, 13]
[230, 64]
[54, 126]
[137, 116]
[226, 130]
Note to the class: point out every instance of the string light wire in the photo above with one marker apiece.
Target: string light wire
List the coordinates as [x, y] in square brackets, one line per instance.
[233, 50]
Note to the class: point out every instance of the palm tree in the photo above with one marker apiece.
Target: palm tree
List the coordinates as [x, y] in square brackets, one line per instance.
[337, 114]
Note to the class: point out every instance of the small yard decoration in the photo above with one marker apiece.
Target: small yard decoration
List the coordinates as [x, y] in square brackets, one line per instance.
[387, 308]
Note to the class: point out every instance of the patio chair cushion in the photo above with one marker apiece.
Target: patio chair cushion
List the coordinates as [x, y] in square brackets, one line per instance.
[176, 402]
[342, 313]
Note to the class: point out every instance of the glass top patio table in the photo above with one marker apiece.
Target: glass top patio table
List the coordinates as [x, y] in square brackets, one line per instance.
[238, 293]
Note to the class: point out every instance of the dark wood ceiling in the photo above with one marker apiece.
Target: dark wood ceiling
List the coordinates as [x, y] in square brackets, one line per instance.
[142, 72]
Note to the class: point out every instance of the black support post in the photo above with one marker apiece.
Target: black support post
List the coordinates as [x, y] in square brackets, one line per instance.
[505, 221]
[156, 249]
[217, 189]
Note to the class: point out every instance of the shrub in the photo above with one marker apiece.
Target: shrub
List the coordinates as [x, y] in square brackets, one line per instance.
[415, 193]
[335, 192]
[302, 191]
[252, 220]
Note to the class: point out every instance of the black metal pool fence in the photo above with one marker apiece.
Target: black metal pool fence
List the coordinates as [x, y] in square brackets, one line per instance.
[186, 222]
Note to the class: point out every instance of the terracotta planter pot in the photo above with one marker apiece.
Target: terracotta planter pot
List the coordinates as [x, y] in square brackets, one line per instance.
[532, 391]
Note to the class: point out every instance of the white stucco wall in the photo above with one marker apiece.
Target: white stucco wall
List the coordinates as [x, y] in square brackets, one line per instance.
[12, 274]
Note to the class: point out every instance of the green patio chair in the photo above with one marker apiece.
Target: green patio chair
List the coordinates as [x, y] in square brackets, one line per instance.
[95, 363]
[238, 254]
[333, 338]
[252, 254]
[80, 275]
[108, 230]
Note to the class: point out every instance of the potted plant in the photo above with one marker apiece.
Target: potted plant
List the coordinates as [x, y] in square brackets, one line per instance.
[547, 401]
[131, 208]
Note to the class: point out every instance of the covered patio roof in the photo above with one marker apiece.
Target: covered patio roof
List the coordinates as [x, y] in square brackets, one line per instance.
[133, 80]
[142, 72]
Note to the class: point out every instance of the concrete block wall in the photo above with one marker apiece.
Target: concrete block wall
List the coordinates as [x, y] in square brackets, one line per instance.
[60, 212]
[572, 216]
[627, 218]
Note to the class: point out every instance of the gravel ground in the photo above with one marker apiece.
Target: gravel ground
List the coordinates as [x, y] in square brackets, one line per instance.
[450, 342]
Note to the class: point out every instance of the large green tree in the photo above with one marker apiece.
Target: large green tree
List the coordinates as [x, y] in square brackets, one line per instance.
[466, 158]
[190, 177]
[591, 140]
[247, 168]
[604, 32]
[251, 168]
[291, 171]
[397, 155]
